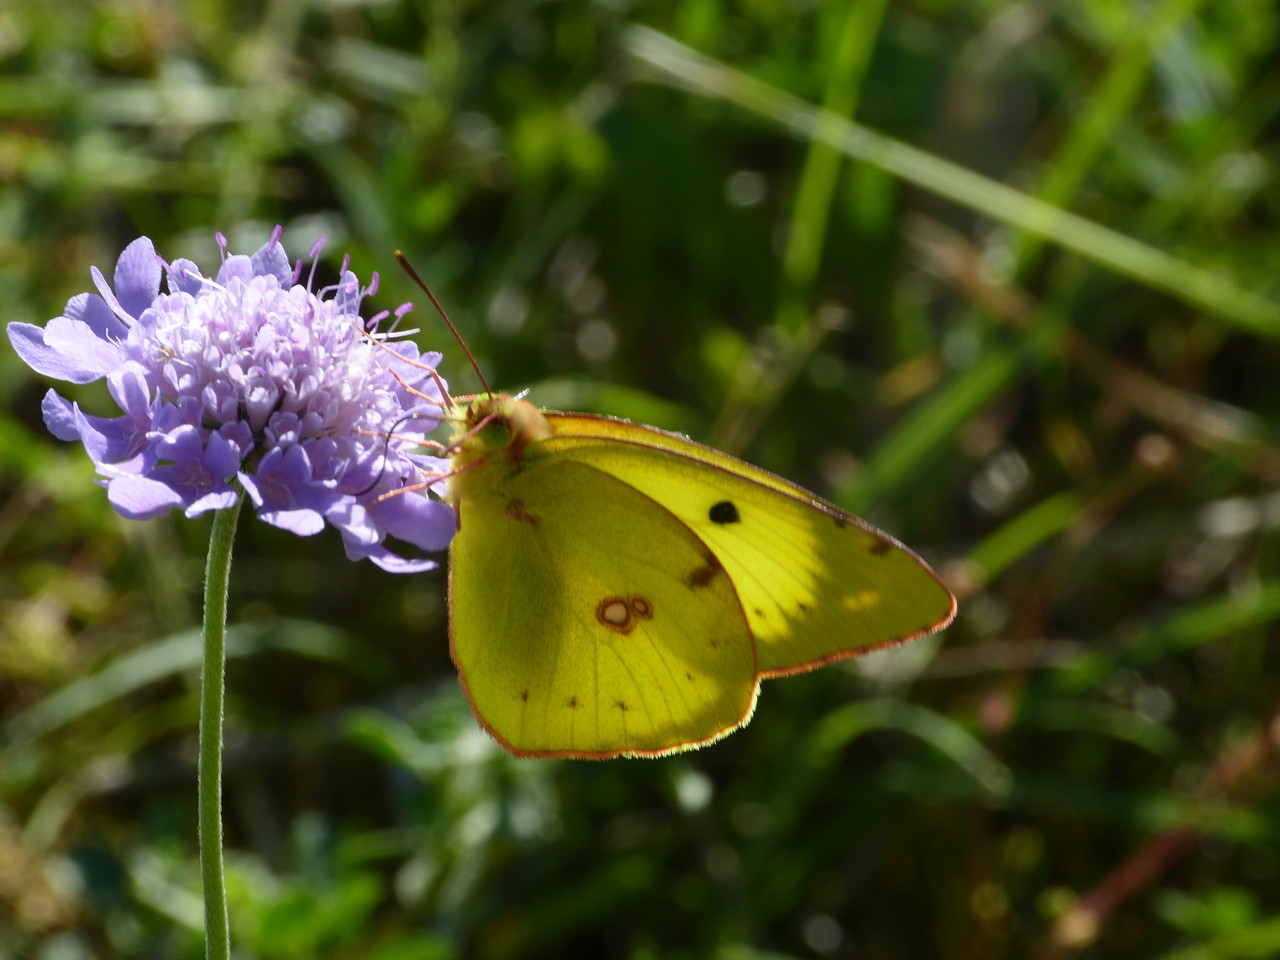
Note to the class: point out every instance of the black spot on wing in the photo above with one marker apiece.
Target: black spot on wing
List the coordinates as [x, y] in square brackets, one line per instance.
[703, 575]
[726, 511]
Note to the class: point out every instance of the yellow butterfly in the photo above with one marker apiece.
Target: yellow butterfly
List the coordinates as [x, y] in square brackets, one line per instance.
[618, 590]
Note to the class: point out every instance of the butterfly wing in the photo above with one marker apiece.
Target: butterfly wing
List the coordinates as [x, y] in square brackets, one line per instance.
[574, 624]
[816, 583]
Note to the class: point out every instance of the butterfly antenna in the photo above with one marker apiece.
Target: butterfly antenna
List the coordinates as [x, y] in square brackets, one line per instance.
[407, 267]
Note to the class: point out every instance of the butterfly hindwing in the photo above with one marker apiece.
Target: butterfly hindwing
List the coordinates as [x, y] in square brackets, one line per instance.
[589, 621]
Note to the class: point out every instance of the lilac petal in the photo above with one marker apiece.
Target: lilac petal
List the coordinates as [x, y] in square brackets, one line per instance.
[358, 477]
[111, 441]
[384, 558]
[77, 341]
[347, 299]
[428, 464]
[171, 416]
[431, 466]
[271, 261]
[50, 359]
[141, 498]
[252, 488]
[217, 500]
[419, 421]
[285, 495]
[93, 310]
[283, 481]
[59, 416]
[181, 444]
[185, 277]
[239, 435]
[236, 265]
[428, 524]
[128, 387]
[354, 522]
[305, 523]
[108, 295]
[280, 508]
[221, 456]
[137, 279]
[261, 395]
[283, 427]
[411, 367]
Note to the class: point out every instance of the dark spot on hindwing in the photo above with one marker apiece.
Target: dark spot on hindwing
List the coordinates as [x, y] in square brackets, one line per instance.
[573, 703]
[726, 511]
[515, 510]
[703, 575]
[524, 695]
[621, 705]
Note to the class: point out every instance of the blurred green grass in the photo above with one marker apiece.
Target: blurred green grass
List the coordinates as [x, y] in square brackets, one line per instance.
[1000, 276]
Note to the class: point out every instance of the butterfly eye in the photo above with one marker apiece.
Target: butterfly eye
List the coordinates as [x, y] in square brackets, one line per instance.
[726, 511]
[496, 436]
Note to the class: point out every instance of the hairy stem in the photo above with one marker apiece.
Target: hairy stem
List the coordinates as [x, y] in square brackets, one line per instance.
[216, 581]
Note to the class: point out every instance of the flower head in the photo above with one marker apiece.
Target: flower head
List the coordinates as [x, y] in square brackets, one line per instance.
[248, 381]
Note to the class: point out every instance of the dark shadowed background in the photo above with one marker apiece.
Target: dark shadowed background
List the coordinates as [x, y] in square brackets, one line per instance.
[1014, 298]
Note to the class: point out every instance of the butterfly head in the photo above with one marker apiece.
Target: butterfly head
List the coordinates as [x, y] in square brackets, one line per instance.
[498, 424]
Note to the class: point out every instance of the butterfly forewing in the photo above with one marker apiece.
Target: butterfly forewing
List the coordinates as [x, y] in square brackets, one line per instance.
[815, 583]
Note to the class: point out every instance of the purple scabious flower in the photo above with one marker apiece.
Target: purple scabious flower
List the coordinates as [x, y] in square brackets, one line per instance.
[249, 381]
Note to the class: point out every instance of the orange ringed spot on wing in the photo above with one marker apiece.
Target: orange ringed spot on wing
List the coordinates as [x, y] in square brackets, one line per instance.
[615, 613]
[641, 607]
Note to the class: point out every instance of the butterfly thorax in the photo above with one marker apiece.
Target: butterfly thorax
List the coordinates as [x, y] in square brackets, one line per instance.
[495, 428]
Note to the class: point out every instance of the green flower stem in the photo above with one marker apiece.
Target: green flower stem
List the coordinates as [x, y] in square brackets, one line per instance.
[216, 579]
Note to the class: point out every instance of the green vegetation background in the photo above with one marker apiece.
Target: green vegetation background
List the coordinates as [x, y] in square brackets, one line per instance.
[1073, 416]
